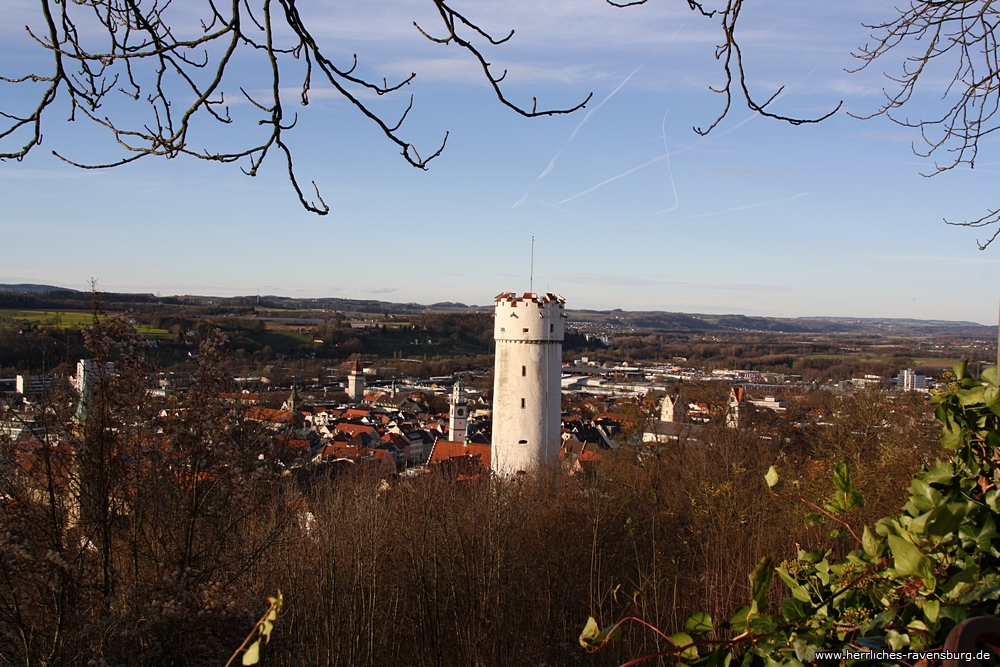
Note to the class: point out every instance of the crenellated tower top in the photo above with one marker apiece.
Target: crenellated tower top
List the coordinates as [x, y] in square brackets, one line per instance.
[530, 318]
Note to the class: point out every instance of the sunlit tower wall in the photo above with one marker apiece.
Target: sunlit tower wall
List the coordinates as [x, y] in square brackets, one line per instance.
[528, 331]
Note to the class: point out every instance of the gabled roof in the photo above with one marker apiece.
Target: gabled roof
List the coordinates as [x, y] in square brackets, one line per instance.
[445, 450]
[260, 414]
[354, 429]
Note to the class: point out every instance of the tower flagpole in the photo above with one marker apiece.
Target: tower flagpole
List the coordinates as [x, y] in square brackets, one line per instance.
[531, 273]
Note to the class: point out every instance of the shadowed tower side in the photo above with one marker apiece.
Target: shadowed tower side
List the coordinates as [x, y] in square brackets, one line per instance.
[528, 331]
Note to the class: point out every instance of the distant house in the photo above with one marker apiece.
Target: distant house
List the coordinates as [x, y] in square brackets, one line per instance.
[673, 409]
[769, 403]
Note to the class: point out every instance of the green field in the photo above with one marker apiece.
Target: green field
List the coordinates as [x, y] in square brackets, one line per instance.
[68, 319]
[65, 319]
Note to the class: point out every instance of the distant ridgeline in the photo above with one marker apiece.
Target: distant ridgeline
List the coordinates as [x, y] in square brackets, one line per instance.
[49, 297]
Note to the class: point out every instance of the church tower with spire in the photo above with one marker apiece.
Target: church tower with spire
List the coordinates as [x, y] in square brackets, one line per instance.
[356, 382]
[458, 414]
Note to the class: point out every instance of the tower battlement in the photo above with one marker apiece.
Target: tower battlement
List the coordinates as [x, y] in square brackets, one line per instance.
[530, 317]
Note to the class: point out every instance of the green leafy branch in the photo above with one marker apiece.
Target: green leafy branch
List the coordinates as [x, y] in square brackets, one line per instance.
[844, 499]
[915, 577]
[250, 648]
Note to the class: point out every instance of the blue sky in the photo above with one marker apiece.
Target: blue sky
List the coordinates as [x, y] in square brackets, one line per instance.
[636, 211]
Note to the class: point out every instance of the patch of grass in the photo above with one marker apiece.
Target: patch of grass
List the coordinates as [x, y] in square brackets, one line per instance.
[150, 331]
[60, 319]
[935, 362]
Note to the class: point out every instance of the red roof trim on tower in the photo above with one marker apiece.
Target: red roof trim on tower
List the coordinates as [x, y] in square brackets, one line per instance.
[542, 299]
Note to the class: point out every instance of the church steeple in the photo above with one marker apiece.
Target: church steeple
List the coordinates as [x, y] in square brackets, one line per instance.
[356, 382]
[292, 404]
[458, 414]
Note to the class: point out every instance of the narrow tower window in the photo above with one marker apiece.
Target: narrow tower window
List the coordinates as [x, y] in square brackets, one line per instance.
[524, 371]
[552, 328]
[522, 403]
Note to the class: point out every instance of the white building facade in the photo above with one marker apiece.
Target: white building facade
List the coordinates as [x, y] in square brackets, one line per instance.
[528, 331]
[356, 383]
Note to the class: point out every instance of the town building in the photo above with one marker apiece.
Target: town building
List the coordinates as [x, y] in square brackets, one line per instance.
[910, 380]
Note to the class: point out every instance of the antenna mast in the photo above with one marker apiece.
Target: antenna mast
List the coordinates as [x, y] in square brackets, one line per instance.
[531, 275]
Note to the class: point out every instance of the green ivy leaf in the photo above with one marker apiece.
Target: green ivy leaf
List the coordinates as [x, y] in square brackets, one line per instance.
[252, 655]
[804, 651]
[762, 625]
[872, 545]
[990, 375]
[980, 537]
[760, 582]
[972, 396]
[960, 582]
[593, 636]
[942, 473]
[842, 476]
[945, 519]
[798, 591]
[897, 640]
[739, 620]
[682, 640]
[959, 369]
[720, 657]
[591, 632]
[794, 609]
[931, 610]
[699, 623]
[771, 477]
[951, 433]
[911, 561]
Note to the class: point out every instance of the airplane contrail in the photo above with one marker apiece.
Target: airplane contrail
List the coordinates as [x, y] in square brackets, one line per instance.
[685, 149]
[670, 170]
[591, 112]
[615, 178]
[747, 206]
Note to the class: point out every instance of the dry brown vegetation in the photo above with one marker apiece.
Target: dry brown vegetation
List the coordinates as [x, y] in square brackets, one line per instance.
[181, 530]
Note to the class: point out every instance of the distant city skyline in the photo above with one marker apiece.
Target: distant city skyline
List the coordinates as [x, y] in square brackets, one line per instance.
[629, 207]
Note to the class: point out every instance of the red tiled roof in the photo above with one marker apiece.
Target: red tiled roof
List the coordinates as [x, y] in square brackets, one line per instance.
[448, 449]
[354, 429]
[395, 439]
[269, 415]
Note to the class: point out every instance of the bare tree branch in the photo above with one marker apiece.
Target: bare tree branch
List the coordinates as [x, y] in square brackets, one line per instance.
[959, 35]
[731, 56]
[147, 57]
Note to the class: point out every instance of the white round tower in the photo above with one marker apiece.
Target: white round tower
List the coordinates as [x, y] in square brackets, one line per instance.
[527, 391]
